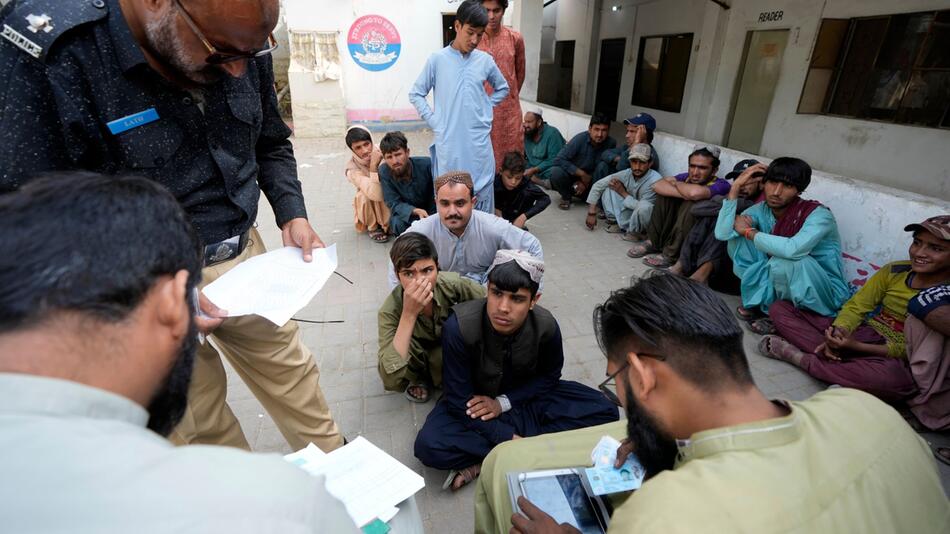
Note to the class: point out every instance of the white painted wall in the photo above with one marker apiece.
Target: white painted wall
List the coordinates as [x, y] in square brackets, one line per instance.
[548, 33]
[905, 157]
[377, 96]
[526, 16]
[871, 217]
[384, 96]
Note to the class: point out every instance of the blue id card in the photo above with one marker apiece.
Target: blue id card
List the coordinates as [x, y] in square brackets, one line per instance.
[132, 121]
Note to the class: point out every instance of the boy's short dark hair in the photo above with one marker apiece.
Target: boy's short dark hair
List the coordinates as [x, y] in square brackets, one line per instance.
[392, 142]
[792, 171]
[472, 13]
[411, 247]
[502, 3]
[513, 163]
[681, 320]
[599, 118]
[511, 277]
[89, 244]
[355, 135]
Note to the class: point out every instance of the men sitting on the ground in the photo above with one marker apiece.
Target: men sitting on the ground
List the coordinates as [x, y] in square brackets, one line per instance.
[361, 170]
[572, 173]
[927, 335]
[406, 182]
[784, 248]
[516, 198]
[542, 143]
[672, 217]
[704, 258]
[639, 129]
[410, 319]
[719, 455]
[466, 240]
[502, 360]
[858, 351]
[627, 196]
[97, 346]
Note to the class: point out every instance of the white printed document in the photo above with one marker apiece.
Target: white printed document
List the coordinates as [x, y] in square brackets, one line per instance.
[369, 482]
[275, 285]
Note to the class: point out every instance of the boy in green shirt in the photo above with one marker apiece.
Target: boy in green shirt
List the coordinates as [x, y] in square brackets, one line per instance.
[410, 319]
[867, 354]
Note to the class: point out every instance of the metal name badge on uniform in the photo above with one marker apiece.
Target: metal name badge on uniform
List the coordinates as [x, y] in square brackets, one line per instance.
[132, 121]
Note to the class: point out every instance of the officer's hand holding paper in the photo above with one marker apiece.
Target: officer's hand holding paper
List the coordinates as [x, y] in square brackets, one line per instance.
[275, 285]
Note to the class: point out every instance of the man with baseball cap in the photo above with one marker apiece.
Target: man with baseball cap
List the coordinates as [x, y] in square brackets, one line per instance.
[865, 346]
[627, 196]
[640, 129]
[501, 372]
[704, 258]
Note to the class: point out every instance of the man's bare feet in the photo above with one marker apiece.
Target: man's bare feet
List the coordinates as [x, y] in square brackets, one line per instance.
[677, 268]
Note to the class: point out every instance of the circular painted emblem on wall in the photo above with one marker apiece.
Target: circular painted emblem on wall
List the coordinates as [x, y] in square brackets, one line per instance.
[374, 43]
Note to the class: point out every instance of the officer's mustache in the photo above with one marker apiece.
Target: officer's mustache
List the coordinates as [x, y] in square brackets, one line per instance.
[454, 218]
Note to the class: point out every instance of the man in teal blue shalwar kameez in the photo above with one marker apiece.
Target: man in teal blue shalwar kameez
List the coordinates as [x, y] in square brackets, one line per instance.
[784, 248]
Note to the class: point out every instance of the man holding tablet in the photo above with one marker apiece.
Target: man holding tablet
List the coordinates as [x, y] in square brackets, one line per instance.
[719, 455]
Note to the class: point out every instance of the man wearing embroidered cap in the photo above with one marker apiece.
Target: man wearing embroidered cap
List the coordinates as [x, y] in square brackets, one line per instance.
[181, 92]
[466, 239]
[501, 368]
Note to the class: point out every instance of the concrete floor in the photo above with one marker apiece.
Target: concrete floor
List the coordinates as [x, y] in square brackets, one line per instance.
[582, 268]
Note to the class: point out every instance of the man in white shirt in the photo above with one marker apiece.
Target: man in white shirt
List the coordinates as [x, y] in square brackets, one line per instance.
[97, 343]
[466, 239]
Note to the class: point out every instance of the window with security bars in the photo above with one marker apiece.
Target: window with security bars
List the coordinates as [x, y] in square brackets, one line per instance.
[892, 68]
[662, 66]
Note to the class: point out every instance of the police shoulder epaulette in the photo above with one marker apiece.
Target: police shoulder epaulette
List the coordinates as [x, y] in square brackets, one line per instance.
[34, 25]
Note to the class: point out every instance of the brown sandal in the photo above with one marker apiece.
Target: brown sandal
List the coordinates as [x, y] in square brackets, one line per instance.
[468, 475]
[379, 235]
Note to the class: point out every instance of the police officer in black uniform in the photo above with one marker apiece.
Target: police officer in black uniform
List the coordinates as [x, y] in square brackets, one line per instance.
[182, 92]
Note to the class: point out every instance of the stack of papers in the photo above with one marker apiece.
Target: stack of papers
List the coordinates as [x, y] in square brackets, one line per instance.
[369, 482]
[604, 478]
[275, 285]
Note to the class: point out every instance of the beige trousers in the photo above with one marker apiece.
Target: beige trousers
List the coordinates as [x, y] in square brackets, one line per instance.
[276, 366]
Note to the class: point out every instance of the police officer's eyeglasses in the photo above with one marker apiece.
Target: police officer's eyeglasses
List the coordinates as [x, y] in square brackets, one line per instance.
[215, 56]
[609, 387]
